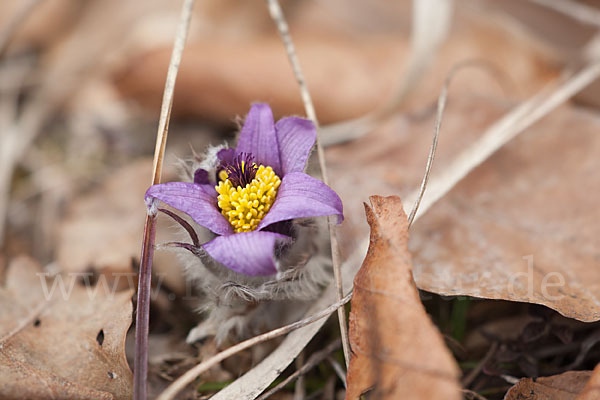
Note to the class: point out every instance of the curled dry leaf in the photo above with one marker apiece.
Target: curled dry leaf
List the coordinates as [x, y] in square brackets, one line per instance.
[397, 352]
[59, 340]
[532, 200]
[565, 386]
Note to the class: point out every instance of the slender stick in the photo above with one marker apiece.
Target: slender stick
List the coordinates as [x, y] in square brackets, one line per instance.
[8, 33]
[467, 380]
[441, 105]
[505, 129]
[277, 16]
[140, 366]
[187, 378]
[140, 369]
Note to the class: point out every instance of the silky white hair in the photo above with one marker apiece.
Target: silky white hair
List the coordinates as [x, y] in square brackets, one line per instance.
[235, 305]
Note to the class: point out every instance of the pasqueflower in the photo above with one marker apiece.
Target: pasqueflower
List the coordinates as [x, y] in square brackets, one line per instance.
[260, 187]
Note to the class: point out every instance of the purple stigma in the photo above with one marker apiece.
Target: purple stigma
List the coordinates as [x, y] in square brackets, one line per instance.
[242, 169]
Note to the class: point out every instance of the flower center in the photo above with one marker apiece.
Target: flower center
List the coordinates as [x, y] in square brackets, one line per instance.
[246, 192]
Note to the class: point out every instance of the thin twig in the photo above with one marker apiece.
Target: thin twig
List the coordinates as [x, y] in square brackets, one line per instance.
[474, 395]
[277, 16]
[503, 130]
[441, 105]
[339, 371]
[467, 380]
[313, 361]
[300, 387]
[171, 391]
[578, 11]
[143, 298]
[17, 20]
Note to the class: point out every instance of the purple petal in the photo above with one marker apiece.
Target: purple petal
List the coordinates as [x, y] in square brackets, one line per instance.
[201, 177]
[248, 253]
[197, 201]
[258, 137]
[296, 137]
[226, 155]
[302, 196]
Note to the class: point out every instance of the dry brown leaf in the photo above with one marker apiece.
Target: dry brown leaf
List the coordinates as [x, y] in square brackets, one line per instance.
[103, 229]
[57, 347]
[591, 391]
[348, 74]
[565, 386]
[239, 73]
[397, 352]
[532, 198]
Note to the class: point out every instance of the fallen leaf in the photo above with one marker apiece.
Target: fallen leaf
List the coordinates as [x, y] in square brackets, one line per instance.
[397, 352]
[102, 229]
[59, 340]
[348, 73]
[591, 391]
[529, 201]
[565, 386]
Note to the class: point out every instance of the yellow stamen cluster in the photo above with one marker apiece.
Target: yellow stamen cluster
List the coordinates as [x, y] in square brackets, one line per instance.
[245, 207]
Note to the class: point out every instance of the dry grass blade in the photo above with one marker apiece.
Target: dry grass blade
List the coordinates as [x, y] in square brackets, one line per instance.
[431, 21]
[430, 25]
[10, 29]
[277, 15]
[441, 105]
[506, 129]
[315, 359]
[193, 373]
[143, 296]
[167, 102]
[255, 381]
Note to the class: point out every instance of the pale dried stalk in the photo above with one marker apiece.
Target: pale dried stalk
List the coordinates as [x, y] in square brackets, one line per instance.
[467, 380]
[171, 391]
[314, 360]
[278, 17]
[505, 129]
[431, 21]
[143, 296]
[441, 105]
[7, 34]
[10, 139]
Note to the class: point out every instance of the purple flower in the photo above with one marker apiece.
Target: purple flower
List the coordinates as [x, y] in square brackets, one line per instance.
[261, 184]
